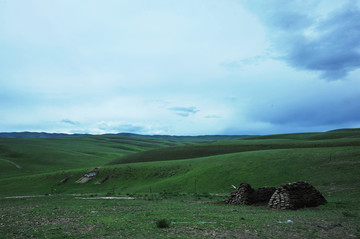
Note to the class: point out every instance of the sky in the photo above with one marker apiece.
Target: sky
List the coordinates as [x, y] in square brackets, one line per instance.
[190, 67]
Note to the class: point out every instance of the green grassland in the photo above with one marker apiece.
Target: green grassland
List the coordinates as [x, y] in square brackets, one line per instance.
[39, 155]
[328, 160]
[165, 174]
[188, 216]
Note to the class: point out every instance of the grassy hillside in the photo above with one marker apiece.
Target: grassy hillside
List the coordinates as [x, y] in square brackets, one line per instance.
[329, 162]
[332, 170]
[220, 147]
[333, 134]
[29, 156]
[177, 180]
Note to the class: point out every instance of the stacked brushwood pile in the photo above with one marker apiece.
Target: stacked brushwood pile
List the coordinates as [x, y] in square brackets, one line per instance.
[296, 195]
[246, 195]
[241, 195]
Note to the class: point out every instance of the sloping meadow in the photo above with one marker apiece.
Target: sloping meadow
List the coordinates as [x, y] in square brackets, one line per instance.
[330, 162]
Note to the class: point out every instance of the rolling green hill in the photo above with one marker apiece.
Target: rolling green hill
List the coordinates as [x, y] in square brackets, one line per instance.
[29, 156]
[330, 161]
[220, 147]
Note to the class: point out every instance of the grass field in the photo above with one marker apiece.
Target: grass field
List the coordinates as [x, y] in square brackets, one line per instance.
[39, 155]
[189, 216]
[177, 179]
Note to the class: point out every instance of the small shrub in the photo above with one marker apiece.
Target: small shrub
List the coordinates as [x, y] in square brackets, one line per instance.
[162, 223]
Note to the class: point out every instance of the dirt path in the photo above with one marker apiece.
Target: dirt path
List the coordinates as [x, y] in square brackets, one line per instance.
[27, 196]
[93, 198]
[16, 165]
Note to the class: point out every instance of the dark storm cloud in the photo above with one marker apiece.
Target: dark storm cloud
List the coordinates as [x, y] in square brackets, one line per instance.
[336, 51]
[328, 45]
[184, 111]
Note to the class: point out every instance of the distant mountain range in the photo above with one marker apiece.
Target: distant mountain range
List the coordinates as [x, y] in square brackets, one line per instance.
[36, 135]
[52, 135]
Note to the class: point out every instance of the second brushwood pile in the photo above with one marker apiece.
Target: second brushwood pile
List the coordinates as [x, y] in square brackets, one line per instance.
[287, 196]
[296, 195]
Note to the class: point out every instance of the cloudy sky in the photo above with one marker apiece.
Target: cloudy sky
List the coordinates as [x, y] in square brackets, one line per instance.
[187, 67]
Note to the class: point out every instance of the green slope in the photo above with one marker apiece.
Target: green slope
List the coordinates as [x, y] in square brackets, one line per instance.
[332, 170]
[309, 140]
[25, 156]
[333, 134]
[330, 161]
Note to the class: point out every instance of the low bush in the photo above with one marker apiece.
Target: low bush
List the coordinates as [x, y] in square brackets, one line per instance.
[162, 223]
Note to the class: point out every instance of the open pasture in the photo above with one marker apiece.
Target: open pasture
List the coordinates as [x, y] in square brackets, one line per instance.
[179, 181]
[189, 216]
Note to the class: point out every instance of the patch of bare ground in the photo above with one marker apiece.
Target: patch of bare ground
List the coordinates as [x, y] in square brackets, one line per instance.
[51, 221]
[81, 229]
[321, 229]
[198, 232]
[30, 220]
[297, 229]
[325, 229]
[67, 225]
[268, 232]
[10, 209]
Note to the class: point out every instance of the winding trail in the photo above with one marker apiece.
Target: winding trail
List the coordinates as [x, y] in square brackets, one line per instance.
[16, 165]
